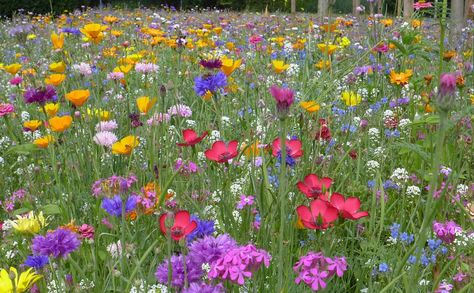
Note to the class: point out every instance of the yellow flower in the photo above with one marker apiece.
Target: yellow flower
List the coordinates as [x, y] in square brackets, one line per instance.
[78, 97]
[344, 42]
[51, 109]
[123, 68]
[29, 224]
[32, 124]
[230, 46]
[351, 98]
[31, 37]
[55, 79]
[144, 104]
[310, 106]
[400, 78]
[125, 146]
[416, 23]
[13, 68]
[207, 96]
[44, 141]
[327, 48]
[58, 41]
[60, 124]
[17, 285]
[94, 32]
[99, 113]
[230, 65]
[387, 22]
[217, 30]
[58, 67]
[472, 99]
[323, 64]
[252, 150]
[110, 19]
[279, 66]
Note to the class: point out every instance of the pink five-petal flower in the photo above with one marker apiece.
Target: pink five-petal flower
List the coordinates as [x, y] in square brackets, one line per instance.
[293, 148]
[222, 153]
[319, 215]
[312, 185]
[318, 279]
[191, 138]
[337, 265]
[348, 208]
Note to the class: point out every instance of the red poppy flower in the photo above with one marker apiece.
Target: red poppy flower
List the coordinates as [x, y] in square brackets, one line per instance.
[293, 148]
[319, 215]
[348, 208]
[222, 153]
[191, 138]
[312, 186]
[182, 225]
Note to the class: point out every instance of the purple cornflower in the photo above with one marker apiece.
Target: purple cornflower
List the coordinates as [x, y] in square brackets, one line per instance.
[447, 84]
[211, 63]
[204, 228]
[193, 272]
[446, 231]
[59, 243]
[209, 83]
[113, 206]
[39, 95]
[444, 287]
[209, 248]
[36, 261]
[204, 288]
[245, 201]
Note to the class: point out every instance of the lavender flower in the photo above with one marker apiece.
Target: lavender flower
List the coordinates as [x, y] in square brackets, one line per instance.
[204, 288]
[113, 185]
[193, 272]
[39, 95]
[180, 110]
[36, 261]
[113, 206]
[209, 249]
[59, 243]
[105, 138]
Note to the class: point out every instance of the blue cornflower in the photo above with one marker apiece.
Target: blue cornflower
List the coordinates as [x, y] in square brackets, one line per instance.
[394, 230]
[204, 228]
[444, 249]
[371, 184]
[412, 259]
[113, 206]
[389, 184]
[433, 244]
[36, 261]
[211, 83]
[289, 160]
[408, 238]
[383, 267]
[424, 260]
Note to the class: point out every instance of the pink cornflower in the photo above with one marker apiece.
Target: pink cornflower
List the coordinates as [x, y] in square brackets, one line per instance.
[6, 109]
[447, 84]
[16, 80]
[116, 75]
[245, 201]
[106, 125]
[146, 68]
[284, 98]
[87, 231]
[83, 68]
[255, 39]
[422, 5]
[105, 138]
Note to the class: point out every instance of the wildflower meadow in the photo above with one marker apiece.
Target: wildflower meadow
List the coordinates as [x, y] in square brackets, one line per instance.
[207, 150]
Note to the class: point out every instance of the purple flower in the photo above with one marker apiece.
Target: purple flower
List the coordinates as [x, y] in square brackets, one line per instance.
[284, 98]
[209, 248]
[211, 64]
[446, 231]
[59, 243]
[113, 206]
[209, 83]
[6, 109]
[314, 268]
[204, 288]
[36, 261]
[193, 272]
[316, 279]
[447, 84]
[204, 228]
[459, 277]
[39, 95]
[180, 110]
[444, 288]
[113, 185]
[245, 201]
[337, 266]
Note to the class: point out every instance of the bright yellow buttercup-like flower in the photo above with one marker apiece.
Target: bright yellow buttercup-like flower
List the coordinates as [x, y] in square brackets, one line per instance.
[351, 98]
[12, 68]
[78, 97]
[279, 66]
[310, 106]
[94, 32]
[230, 65]
[51, 109]
[55, 79]
[327, 48]
[32, 125]
[18, 284]
[144, 104]
[57, 67]
[29, 224]
[400, 78]
[43, 142]
[60, 124]
[125, 146]
[57, 40]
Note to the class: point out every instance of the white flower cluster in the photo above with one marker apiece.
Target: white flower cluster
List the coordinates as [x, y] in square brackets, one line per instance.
[293, 70]
[142, 287]
[399, 175]
[86, 284]
[372, 167]
[413, 191]
[463, 239]
[374, 134]
[215, 135]
[237, 187]
[462, 189]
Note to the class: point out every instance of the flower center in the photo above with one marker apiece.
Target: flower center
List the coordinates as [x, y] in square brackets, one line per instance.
[177, 232]
[225, 156]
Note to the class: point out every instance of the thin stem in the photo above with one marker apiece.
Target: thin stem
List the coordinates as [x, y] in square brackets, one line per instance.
[282, 197]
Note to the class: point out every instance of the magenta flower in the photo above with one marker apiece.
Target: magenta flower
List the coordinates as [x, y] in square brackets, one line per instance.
[447, 84]
[245, 201]
[422, 5]
[6, 109]
[284, 97]
[446, 231]
[316, 279]
[314, 269]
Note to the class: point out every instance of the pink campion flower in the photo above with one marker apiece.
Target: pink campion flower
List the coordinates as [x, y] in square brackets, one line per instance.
[447, 84]
[245, 201]
[313, 186]
[446, 231]
[16, 80]
[191, 138]
[422, 4]
[316, 278]
[459, 277]
[6, 108]
[314, 269]
[337, 266]
[348, 208]
[444, 287]
[222, 153]
[284, 98]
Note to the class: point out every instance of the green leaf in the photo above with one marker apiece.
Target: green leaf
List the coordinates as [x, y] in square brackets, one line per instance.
[399, 47]
[23, 149]
[410, 147]
[20, 211]
[51, 209]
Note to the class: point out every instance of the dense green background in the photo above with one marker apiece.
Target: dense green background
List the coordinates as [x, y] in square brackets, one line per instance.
[9, 7]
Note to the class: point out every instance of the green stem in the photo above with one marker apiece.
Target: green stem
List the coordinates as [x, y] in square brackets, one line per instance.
[282, 198]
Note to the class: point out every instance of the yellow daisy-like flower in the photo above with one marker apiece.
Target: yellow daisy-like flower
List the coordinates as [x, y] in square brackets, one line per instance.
[351, 98]
[78, 97]
[18, 284]
[32, 125]
[29, 224]
[57, 67]
[279, 66]
[60, 124]
[43, 142]
[400, 78]
[144, 104]
[51, 109]
[230, 65]
[94, 32]
[57, 40]
[310, 106]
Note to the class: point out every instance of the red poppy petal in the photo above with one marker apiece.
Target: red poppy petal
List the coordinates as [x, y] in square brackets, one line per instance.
[304, 213]
[162, 224]
[211, 155]
[232, 147]
[318, 207]
[331, 214]
[338, 201]
[326, 182]
[182, 218]
[190, 228]
[189, 135]
[359, 215]
[219, 147]
[352, 204]
[311, 180]
[275, 147]
[303, 188]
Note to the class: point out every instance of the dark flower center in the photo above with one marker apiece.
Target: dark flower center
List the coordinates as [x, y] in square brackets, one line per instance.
[177, 232]
[225, 156]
